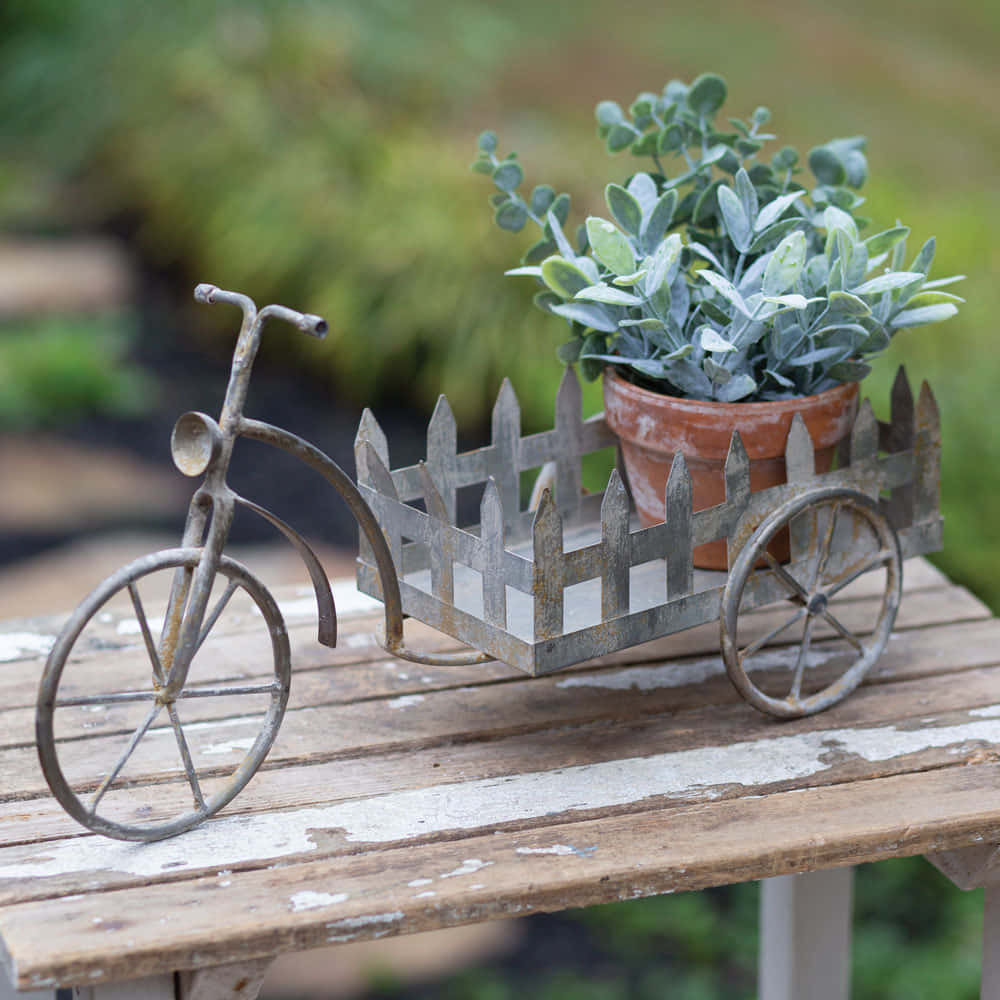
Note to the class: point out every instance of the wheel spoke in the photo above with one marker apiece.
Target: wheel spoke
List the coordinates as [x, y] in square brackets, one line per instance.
[216, 611]
[792, 585]
[216, 692]
[880, 559]
[845, 633]
[773, 634]
[800, 663]
[826, 548]
[147, 636]
[185, 751]
[123, 759]
[104, 699]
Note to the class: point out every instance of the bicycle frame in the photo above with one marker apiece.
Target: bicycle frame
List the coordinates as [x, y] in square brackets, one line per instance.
[200, 444]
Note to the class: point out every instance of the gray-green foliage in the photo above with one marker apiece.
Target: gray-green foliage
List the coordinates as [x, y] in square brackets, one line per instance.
[752, 288]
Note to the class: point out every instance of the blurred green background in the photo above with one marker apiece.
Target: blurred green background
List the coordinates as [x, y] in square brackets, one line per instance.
[316, 153]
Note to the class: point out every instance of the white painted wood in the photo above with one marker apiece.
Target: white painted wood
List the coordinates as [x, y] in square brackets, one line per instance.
[805, 936]
[224, 982]
[7, 992]
[990, 988]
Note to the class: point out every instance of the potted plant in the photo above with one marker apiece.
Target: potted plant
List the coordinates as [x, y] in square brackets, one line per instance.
[722, 295]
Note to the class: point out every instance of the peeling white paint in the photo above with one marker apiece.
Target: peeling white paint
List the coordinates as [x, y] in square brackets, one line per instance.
[560, 850]
[18, 645]
[697, 773]
[669, 675]
[131, 626]
[418, 882]
[360, 924]
[233, 746]
[424, 895]
[406, 701]
[309, 900]
[358, 640]
[468, 867]
[478, 885]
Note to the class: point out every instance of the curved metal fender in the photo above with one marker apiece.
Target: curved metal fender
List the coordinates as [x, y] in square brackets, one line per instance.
[326, 609]
[311, 455]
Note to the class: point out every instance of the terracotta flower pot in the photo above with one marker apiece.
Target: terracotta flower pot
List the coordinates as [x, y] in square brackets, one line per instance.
[653, 427]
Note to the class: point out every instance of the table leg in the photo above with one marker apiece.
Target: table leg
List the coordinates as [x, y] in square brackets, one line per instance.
[990, 989]
[805, 936]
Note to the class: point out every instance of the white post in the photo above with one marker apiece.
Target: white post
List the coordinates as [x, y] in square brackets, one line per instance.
[805, 936]
[990, 989]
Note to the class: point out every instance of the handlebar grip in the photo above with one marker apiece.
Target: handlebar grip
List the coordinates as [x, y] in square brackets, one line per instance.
[308, 323]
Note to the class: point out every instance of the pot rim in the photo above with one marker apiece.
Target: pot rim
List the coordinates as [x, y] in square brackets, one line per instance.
[794, 404]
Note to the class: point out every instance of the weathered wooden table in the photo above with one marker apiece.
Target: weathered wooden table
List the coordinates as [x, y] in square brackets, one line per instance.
[400, 798]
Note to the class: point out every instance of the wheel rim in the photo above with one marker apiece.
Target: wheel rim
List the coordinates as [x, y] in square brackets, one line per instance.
[136, 719]
[849, 539]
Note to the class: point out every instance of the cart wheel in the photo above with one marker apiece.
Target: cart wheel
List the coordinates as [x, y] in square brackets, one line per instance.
[111, 746]
[851, 550]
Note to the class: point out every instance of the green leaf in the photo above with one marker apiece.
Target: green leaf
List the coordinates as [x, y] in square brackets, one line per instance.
[706, 205]
[886, 282]
[569, 353]
[546, 301]
[836, 218]
[941, 282]
[735, 218]
[773, 211]
[609, 295]
[609, 113]
[610, 246]
[849, 304]
[659, 221]
[537, 252]
[785, 383]
[482, 166]
[670, 139]
[624, 208]
[628, 280]
[592, 316]
[924, 315]
[827, 166]
[774, 234]
[719, 374]
[655, 325]
[747, 194]
[642, 187]
[508, 175]
[534, 272]
[785, 158]
[922, 262]
[591, 369]
[487, 141]
[541, 199]
[856, 167]
[707, 94]
[749, 147]
[785, 265]
[820, 354]
[560, 208]
[511, 215]
[792, 301]
[564, 278]
[554, 228]
[849, 371]
[737, 388]
[663, 264]
[711, 341]
[713, 154]
[620, 137]
[725, 288]
[886, 240]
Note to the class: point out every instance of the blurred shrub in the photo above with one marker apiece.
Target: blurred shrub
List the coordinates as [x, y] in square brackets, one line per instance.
[57, 370]
[299, 151]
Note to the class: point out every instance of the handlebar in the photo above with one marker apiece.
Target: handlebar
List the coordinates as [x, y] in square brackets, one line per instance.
[315, 326]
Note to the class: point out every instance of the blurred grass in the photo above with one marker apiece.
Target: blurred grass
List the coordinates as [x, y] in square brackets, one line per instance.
[316, 153]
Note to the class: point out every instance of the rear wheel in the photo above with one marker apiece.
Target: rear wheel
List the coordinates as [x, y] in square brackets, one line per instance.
[123, 757]
[829, 612]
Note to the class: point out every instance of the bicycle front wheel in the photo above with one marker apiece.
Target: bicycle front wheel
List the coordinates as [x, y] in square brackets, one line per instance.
[123, 757]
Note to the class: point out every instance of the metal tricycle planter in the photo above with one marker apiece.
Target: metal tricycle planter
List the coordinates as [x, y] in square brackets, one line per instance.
[540, 589]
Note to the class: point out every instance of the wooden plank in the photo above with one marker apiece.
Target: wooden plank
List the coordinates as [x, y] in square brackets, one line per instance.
[709, 753]
[232, 917]
[910, 656]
